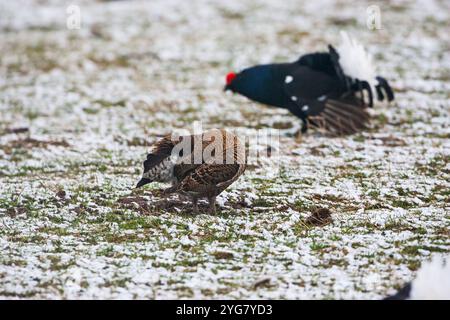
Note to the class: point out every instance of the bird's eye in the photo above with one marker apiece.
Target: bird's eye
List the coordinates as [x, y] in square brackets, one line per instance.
[230, 77]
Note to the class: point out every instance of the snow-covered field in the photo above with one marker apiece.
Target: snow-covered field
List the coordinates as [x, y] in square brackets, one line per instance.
[79, 108]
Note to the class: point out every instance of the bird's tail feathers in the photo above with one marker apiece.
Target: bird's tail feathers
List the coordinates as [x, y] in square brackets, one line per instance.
[355, 61]
[334, 57]
[357, 64]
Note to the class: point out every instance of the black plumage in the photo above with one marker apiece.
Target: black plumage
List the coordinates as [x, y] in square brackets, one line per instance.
[315, 89]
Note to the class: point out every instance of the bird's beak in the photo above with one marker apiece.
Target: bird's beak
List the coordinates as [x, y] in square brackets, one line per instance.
[226, 88]
[143, 182]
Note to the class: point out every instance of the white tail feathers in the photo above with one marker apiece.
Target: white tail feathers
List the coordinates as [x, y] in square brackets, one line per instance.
[355, 61]
[432, 281]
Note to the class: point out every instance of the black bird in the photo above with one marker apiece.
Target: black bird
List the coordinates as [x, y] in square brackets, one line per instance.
[330, 89]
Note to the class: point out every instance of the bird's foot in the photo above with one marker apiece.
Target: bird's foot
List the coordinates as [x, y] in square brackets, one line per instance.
[212, 211]
[298, 136]
[194, 206]
[212, 205]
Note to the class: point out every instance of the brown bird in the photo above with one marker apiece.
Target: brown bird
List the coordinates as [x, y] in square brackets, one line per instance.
[197, 166]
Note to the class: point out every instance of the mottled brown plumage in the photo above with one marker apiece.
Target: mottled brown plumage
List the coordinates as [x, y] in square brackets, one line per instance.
[198, 166]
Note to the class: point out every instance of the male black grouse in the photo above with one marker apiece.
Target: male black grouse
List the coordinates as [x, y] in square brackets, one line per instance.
[329, 90]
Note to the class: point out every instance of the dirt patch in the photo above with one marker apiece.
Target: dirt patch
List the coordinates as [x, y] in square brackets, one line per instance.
[139, 203]
[29, 143]
[262, 283]
[15, 211]
[329, 197]
[15, 130]
[80, 210]
[61, 194]
[61, 198]
[315, 151]
[223, 255]
[319, 218]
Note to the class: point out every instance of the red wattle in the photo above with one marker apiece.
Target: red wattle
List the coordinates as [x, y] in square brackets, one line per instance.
[230, 77]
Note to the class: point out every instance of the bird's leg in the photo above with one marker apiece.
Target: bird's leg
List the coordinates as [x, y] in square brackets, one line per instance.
[359, 89]
[298, 136]
[194, 205]
[366, 86]
[356, 87]
[212, 205]
[304, 125]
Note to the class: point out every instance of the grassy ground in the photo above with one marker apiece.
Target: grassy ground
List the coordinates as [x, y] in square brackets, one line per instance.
[79, 109]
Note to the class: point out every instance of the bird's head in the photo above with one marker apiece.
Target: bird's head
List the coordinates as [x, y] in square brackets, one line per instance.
[254, 83]
[143, 182]
[229, 81]
[248, 80]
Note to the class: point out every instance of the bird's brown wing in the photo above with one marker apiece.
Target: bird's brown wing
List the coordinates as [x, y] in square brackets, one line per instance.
[209, 176]
[339, 117]
[180, 171]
